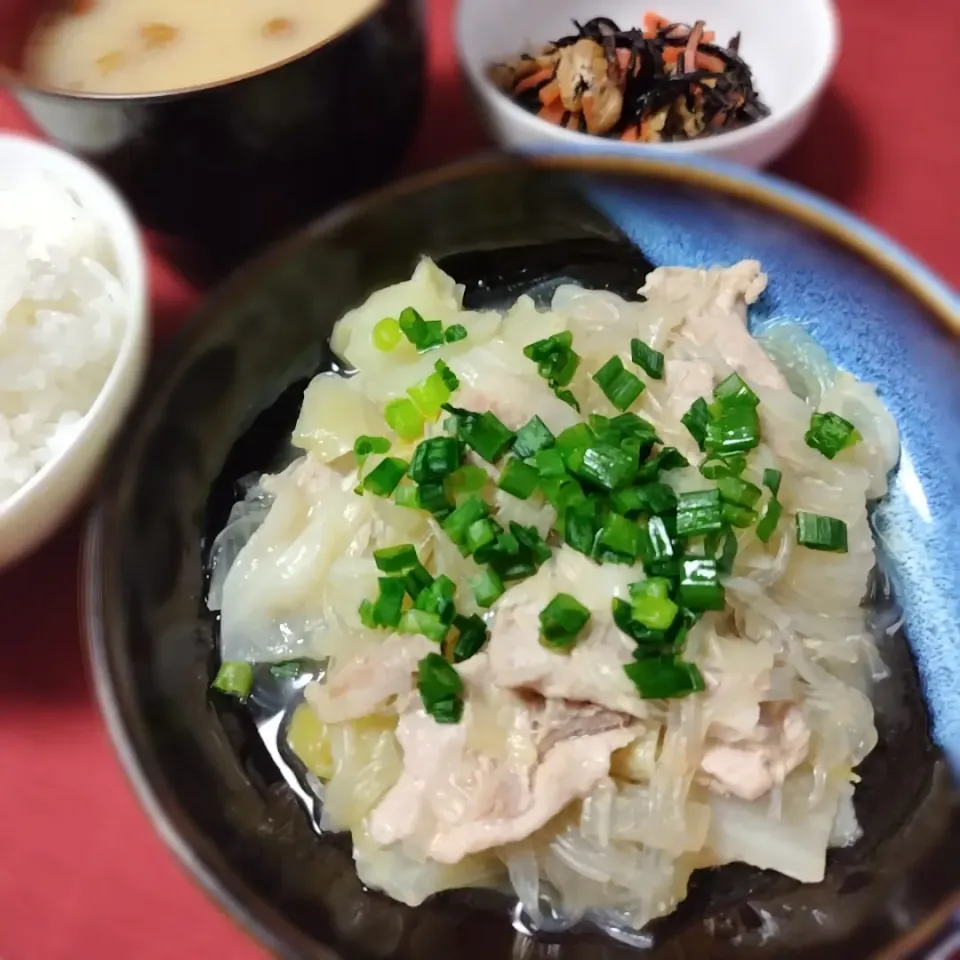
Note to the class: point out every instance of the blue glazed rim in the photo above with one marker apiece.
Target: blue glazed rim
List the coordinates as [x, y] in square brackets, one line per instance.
[790, 199]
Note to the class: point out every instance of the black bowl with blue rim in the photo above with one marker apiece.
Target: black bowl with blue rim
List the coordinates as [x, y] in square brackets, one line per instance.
[224, 397]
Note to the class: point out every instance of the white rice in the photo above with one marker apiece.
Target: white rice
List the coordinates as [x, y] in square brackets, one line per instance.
[61, 323]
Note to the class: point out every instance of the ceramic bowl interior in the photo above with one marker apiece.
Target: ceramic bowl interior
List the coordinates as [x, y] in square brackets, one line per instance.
[40, 505]
[790, 48]
[224, 399]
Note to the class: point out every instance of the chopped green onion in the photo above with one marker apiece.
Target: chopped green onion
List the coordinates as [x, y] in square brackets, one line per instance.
[651, 587]
[406, 495]
[698, 512]
[234, 678]
[696, 420]
[830, 433]
[729, 553]
[580, 527]
[363, 446]
[567, 397]
[657, 546]
[384, 478]
[432, 497]
[735, 430]
[404, 418]
[430, 395]
[530, 542]
[561, 620]
[821, 533]
[577, 437]
[555, 358]
[659, 678]
[468, 479]
[619, 385]
[440, 689]
[618, 541]
[647, 498]
[769, 520]
[396, 559]
[385, 611]
[423, 334]
[459, 521]
[738, 491]
[713, 468]
[454, 333]
[473, 635]
[480, 534]
[738, 516]
[603, 464]
[482, 432]
[561, 492]
[550, 463]
[699, 588]
[435, 459]
[487, 587]
[386, 334]
[651, 604]
[437, 598]
[449, 377]
[648, 359]
[532, 437]
[429, 625]
[287, 669]
[771, 480]
[733, 392]
[417, 579]
[518, 479]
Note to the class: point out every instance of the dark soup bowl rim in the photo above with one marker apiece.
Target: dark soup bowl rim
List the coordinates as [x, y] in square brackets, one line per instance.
[143, 768]
[23, 81]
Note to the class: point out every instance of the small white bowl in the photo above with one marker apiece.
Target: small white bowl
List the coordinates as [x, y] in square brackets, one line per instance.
[47, 499]
[791, 48]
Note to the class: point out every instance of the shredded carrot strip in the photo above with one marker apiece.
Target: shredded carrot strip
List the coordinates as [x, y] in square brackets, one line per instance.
[533, 80]
[549, 92]
[623, 57]
[573, 121]
[552, 113]
[586, 103]
[645, 130]
[631, 134]
[672, 54]
[652, 22]
[706, 61]
[693, 43]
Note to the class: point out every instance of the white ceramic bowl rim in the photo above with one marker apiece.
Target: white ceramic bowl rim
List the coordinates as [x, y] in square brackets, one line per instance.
[729, 140]
[82, 179]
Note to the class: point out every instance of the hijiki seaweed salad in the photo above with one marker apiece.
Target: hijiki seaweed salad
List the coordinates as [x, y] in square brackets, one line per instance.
[585, 581]
[664, 82]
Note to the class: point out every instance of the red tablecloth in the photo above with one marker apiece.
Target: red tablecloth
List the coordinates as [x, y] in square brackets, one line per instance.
[82, 874]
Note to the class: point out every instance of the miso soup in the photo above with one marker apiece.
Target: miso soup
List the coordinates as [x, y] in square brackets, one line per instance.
[145, 46]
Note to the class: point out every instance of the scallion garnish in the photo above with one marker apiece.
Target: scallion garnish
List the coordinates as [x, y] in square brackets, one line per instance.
[661, 678]
[404, 418]
[561, 621]
[603, 464]
[484, 433]
[386, 334]
[669, 458]
[619, 385]
[651, 604]
[830, 433]
[429, 625]
[648, 359]
[728, 554]
[818, 532]
[715, 467]
[383, 479]
[532, 437]
[733, 392]
[454, 333]
[435, 459]
[698, 512]
[468, 479]
[550, 463]
[618, 540]
[440, 689]
[480, 534]
[396, 559]
[696, 420]
[432, 497]
[472, 637]
[449, 377]
[487, 588]
[579, 526]
[768, 522]
[430, 395]
[738, 516]
[363, 446]
[385, 611]
[555, 358]
[423, 334]
[518, 479]
[406, 495]
[455, 526]
[771, 480]
[657, 546]
[699, 587]
[437, 598]
[741, 492]
[234, 678]
[653, 497]
[735, 430]
[417, 579]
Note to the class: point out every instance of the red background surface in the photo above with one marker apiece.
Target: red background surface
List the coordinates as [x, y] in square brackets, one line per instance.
[82, 874]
